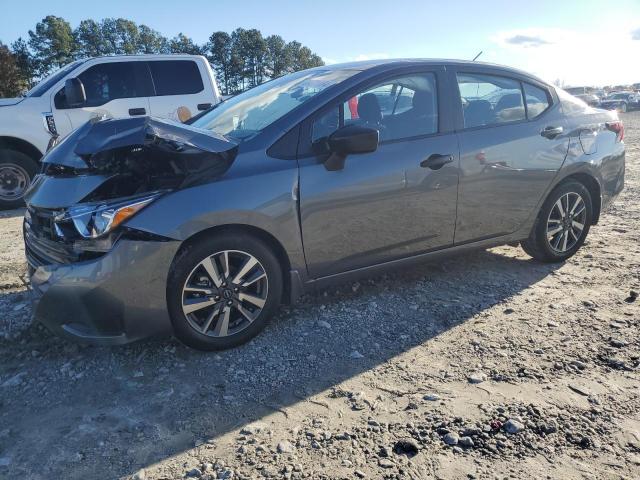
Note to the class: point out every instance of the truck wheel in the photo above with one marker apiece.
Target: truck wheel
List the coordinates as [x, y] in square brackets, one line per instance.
[16, 172]
[222, 290]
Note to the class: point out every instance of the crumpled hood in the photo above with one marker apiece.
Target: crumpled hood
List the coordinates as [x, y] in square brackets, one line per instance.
[5, 102]
[108, 159]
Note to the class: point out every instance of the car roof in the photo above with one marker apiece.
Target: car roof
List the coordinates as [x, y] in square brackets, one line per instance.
[389, 64]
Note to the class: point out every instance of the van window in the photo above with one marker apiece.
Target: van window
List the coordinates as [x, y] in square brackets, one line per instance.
[176, 77]
[490, 100]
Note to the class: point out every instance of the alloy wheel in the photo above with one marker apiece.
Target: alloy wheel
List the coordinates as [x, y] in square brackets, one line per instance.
[14, 181]
[225, 293]
[566, 222]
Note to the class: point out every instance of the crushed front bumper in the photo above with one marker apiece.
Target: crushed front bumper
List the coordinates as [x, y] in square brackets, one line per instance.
[117, 298]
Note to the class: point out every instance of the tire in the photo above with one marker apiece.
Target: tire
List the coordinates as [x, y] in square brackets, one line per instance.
[245, 310]
[623, 108]
[16, 173]
[553, 248]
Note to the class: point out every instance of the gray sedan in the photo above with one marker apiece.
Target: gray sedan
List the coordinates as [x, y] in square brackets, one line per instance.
[141, 226]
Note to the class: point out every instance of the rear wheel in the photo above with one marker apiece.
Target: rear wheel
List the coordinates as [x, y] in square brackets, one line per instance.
[222, 291]
[562, 224]
[16, 172]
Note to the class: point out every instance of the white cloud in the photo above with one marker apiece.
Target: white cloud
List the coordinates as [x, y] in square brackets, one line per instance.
[595, 57]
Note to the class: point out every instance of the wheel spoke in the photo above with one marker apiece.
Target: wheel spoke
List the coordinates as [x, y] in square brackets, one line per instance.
[577, 225]
[194, 304]
[209, 264]
[257, 301]
[246, 313]
[553, 231]
[205, 291]
[222, 325]
[564, 244]
[246, 268]
[225, 263]
[575, 205]
[559, 207]
[207, 323]
[579, 212]
[254, 280]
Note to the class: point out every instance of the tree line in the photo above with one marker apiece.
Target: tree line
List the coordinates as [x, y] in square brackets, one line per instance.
[241, 59]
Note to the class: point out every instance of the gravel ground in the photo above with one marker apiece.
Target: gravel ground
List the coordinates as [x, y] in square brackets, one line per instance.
[486, 365]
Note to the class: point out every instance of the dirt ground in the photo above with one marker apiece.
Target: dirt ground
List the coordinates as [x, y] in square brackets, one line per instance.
[487, 365]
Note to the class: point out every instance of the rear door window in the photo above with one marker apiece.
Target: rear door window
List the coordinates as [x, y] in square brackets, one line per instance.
[176, 77]
[490, 100]
[537, 100]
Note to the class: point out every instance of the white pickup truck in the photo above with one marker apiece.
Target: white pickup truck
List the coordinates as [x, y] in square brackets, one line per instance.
[168, 86]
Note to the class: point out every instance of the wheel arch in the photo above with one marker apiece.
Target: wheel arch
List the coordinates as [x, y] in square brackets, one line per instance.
[271, 241]
[592, 184]
[22, 146]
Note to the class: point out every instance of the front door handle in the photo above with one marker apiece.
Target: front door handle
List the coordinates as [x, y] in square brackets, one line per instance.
[204, 106]
[436, 161]
[137, 111]
[551, 132]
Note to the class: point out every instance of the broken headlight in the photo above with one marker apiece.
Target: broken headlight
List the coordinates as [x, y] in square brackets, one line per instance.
[98, 219]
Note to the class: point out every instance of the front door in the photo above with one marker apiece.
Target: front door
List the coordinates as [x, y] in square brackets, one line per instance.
[395, 202]
[113, 89]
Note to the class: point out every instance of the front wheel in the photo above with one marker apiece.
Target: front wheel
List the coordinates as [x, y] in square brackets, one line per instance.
[222, 291]
[16, 172]
[623, 108]
[562, 224]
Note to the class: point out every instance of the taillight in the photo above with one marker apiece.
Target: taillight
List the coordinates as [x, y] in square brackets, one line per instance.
[617, 128]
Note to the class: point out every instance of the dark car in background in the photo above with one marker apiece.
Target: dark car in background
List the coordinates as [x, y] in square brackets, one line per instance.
[622, 101]
[590, 99]
[142, 226]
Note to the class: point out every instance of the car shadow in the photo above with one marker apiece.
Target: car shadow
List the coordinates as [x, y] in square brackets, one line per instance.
[93, 411]
[17, 212]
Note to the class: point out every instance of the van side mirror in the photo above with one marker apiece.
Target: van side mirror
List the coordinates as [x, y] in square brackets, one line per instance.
[349, 140]
[74, 92]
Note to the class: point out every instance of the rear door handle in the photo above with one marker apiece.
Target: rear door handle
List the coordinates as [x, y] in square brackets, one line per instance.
[436, 161]
[204, 106]
[137, 111]
[551, 132]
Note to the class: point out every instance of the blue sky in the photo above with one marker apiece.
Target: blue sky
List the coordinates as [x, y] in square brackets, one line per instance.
[579, 42]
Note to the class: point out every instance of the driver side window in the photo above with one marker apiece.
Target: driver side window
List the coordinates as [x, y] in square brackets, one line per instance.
[399, 108]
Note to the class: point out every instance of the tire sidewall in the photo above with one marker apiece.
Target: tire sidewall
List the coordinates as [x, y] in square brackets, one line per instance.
[23, 161]
[185, 262]
[541, 227]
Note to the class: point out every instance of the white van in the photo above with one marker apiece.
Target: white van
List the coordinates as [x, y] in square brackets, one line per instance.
[167, 86]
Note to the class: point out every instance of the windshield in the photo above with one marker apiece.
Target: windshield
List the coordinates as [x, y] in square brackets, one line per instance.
[248, 113]
[620, 96]
[52, 79]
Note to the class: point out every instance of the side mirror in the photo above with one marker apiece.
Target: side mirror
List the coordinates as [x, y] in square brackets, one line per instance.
[74, 92]
[348, 140]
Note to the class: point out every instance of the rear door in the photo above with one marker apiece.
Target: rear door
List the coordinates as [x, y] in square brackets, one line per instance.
[113, 89]
[180, 92]
[391, 203]
[509, 151]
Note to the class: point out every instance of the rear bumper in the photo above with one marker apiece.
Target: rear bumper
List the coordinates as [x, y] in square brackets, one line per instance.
[115, 299]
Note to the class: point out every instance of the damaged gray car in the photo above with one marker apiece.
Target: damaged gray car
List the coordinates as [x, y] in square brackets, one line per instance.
[140, 226]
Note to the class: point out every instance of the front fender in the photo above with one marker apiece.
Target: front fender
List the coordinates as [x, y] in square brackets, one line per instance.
[267, 201]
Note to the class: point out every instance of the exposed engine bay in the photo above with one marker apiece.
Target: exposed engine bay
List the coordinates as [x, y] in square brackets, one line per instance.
[106, 171]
